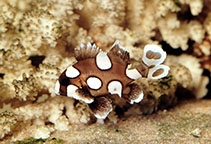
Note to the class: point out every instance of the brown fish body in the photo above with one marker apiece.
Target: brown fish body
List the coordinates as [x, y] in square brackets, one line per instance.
[89, 68]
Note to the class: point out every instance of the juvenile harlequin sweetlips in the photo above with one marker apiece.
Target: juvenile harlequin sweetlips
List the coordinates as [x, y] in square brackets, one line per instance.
[97, 75]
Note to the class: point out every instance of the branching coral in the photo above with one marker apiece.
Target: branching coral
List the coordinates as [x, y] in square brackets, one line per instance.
[50, 111]
[43, 30]
[26, 89]
[46, 77]
[53, 114]
[203, 49]
[6, 92]
[177, 33]
[182, 75]
[193, 65]
[65, 13]
[12, 12]
[113, 8]
[195, 5]
[8, 122]
[84, 113]
[207, 23]
[14, 63]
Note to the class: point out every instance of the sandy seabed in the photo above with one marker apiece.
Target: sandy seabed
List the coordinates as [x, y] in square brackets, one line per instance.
[189, 122]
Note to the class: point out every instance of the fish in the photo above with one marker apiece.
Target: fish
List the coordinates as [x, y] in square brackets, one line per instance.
[99, 74]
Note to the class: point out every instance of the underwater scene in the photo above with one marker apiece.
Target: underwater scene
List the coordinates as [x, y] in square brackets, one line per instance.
[105, 71]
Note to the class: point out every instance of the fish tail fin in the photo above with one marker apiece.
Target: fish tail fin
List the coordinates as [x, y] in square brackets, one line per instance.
[151, 65]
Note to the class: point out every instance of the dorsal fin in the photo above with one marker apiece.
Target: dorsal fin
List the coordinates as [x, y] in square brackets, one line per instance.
[119, 51]
[86, 51]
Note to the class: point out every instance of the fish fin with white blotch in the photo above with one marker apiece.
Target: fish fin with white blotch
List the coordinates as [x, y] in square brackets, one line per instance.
[86, 51]
[153, 55]
[101, 107]
[118, 51]
[151, 65]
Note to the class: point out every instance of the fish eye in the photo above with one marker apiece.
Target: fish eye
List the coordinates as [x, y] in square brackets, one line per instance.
[64, 81]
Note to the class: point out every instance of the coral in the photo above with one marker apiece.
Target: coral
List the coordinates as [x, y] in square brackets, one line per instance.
[195, 5]
[46, 77]
[203, 51]
[114, 9]
[164, 90]
[43, 30]
[107, 38]
[65, 13]
[207, 23]
[14, 63]
[6, 107]
[166, 6]
[8, 122]
[81, 36]
[51, 110]
[84, 112]
[142, 20]
[159, 94]
[26, 89]
[193, 64]
[6, 92]
[182, 75]
[196, 31]
[41, 132]
[42, 113]
[178, 33]
[12, 13]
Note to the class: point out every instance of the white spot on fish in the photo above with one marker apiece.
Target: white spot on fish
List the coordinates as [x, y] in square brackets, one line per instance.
[72, 72]
[94, 83]
[115, 87]
[133, 73]
[103, 62]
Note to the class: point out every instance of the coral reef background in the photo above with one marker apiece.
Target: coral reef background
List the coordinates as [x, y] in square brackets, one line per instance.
[37, 39]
